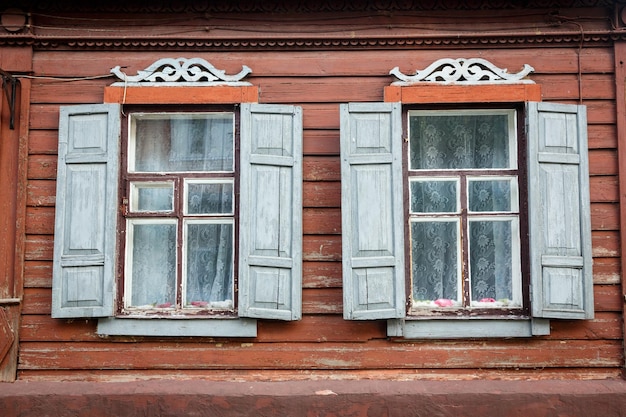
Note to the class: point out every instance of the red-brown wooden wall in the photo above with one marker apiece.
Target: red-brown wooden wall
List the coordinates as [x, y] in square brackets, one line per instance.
[322, 344]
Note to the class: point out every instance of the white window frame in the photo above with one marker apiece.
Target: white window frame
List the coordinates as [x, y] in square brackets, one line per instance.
[431, 174]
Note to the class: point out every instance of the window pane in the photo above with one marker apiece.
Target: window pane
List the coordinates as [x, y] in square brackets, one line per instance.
[490, 195]
[435, 254]
[209, 265]
[433, 196]
[152, 196]
[491, 262]
[182, 142]
[209, 197]
[459, 141]
[153, 263]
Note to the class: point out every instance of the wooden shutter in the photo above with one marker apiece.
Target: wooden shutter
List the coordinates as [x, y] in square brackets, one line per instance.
[559, 211]
[270, 239]
[86, 211]
[372, 213]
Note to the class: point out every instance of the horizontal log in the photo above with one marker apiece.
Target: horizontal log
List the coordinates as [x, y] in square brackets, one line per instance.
[598, 111]
[603, 162]
[321, 168]
[321, 194]
[38, 274]
[313, 328]
[44, 116]
[376, 354]
[324, 221]
[565, 86]
[604, 189]
[320, 142]
[40, 220]
[44, 91]
[38, 247]
[603, 326]
[297, 63]
[321, 274]
[41, 193]
[605, 244]
[602, 136]
[329, 89]
[42, 167]
[270, 375]
[44, 328]
[43, 142]
[605, 216]
[325, 328]
[321, 248]
[322, 301]
[606, 270]
[607, 298]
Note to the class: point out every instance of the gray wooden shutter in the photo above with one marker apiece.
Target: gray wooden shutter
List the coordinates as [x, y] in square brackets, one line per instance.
[270, 238]
[86, 211]
[559, 211]
[372, 211]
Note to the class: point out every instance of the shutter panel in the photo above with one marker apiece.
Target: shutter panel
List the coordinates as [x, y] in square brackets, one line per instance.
[270, 214]
[372, 211]
[86, 211]
[559, 211]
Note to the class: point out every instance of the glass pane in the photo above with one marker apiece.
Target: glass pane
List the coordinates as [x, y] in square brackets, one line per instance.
[459, 141]
[434, 263]
[491, 262]
[183, 142]
[433, 196]
[152, 196]
[209, 265]
[490, 195]
[209, 197]
[153, 283]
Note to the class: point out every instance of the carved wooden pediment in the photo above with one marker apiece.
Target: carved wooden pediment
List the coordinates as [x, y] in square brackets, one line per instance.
[463, 71]
[181, 71]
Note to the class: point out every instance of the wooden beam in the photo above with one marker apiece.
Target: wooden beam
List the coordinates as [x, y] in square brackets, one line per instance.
[438, 93]
[620, 103]
[181, 95]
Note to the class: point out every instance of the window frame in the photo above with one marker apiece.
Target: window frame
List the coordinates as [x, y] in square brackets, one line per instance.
[178, 178]
[89, 136]
[372, 286]
[465, 174]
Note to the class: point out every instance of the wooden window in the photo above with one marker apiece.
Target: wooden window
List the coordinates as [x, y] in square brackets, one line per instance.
[463, 218]
[180, 184]
[179, 188]
[374, 215]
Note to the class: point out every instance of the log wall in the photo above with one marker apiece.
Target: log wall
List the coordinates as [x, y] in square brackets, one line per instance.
[322, 344]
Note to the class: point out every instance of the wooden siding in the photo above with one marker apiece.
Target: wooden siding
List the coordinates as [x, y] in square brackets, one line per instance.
[322, 344]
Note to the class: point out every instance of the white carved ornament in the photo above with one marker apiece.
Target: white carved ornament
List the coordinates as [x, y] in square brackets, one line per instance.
[463, 71]
[177, 71]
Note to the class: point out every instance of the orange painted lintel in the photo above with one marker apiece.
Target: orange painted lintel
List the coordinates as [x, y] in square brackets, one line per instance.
[181, 95]
[437, 93]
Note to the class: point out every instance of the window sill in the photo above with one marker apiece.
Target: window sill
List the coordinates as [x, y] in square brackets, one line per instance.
[467, 328]
[237, 327]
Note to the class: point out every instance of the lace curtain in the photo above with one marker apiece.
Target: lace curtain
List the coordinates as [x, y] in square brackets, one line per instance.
[452, 142]
[178, 144]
